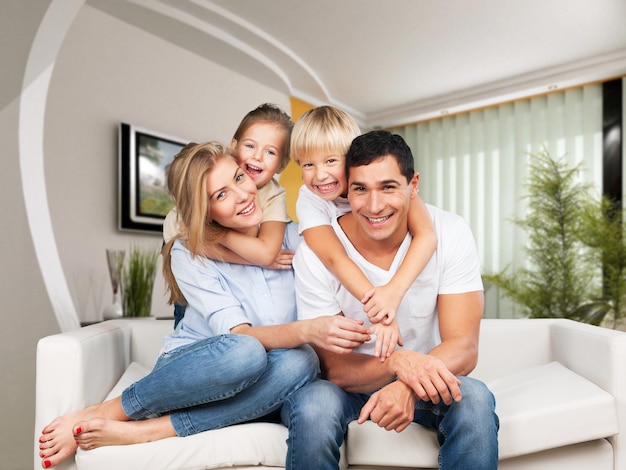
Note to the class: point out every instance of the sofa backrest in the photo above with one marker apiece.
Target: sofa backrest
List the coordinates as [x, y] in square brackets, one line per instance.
[511, 345]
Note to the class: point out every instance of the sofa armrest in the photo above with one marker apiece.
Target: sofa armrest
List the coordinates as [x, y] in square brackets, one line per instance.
[78, 368]
[599, 355]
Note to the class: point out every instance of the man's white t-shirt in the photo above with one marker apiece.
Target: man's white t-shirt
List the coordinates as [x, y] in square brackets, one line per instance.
[453, 269]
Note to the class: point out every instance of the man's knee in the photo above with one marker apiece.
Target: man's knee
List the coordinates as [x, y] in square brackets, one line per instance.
[478, 402]
[318, 403]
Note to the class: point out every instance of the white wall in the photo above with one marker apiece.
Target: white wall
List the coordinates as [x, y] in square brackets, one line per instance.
[123, 75]
[105, 72]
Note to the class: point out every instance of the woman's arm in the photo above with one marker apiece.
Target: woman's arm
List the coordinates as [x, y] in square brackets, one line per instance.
[335, 333]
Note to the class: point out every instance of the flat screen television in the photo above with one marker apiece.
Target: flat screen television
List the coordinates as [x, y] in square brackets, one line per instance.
[144, 157]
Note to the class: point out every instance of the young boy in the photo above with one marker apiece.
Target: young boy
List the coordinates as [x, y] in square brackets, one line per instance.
[319, 142]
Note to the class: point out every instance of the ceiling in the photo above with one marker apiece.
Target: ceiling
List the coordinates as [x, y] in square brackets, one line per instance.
[390, 62]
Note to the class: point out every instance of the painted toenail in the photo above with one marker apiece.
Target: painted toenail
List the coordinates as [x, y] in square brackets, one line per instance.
[78, 430]
[47, 464]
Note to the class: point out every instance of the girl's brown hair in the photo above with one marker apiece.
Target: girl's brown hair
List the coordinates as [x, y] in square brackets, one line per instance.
[269, 114]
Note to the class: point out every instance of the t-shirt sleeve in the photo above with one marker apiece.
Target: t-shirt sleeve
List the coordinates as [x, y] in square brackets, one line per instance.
[315, 285]
[273, 199]
[170, 225]
[312, 210]
[461, 265]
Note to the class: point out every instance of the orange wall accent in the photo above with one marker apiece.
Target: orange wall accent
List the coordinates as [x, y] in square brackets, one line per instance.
[291, 177]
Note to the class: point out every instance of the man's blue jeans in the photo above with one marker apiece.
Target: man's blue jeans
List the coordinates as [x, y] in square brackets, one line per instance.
[218, 382]
[318, 414]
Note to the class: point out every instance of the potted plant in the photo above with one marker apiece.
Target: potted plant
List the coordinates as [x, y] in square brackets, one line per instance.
[137, 272]
[559, 276]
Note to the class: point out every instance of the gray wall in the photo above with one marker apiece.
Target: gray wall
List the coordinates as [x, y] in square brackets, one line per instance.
[105, 71]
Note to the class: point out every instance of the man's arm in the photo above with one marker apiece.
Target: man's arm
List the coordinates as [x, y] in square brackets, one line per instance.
[459, 327]
[431, 376]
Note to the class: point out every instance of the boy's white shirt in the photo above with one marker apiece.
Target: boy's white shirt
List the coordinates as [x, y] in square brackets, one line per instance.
[273, 200]
[313, 211]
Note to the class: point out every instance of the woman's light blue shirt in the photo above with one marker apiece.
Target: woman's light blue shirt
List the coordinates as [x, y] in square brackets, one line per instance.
[223, 295]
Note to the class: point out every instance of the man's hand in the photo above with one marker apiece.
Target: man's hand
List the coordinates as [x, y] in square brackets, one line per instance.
[427, 376]
[336, 333]
[392, 407]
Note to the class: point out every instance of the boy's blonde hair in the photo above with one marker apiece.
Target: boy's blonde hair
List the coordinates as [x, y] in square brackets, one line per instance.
[186, 181]
[268, 113]
[324, 129]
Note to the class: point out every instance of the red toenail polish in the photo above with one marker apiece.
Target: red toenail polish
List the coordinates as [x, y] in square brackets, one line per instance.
[47, 463]
[78, 430]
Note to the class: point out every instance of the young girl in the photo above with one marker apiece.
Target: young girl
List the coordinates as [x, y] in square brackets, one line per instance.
[319, 142]
[261, 144]
[238, 353]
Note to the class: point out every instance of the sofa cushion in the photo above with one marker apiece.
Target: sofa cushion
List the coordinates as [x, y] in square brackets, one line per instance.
[368, 444]
[550, 406]
[133, 373]
[244, 444]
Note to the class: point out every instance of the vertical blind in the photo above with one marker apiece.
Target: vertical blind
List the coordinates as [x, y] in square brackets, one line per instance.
[475, 164]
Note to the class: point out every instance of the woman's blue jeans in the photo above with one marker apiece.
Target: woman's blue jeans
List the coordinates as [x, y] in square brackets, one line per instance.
[318, 415]
[218, 382]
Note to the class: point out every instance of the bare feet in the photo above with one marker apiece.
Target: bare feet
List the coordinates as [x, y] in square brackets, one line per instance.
[57, 442]
[58, 439]
[100, 432]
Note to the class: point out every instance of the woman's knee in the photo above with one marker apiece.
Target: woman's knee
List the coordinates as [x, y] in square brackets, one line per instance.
[299, 365]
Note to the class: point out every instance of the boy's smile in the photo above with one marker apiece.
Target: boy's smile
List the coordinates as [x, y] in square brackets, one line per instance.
[325, 175]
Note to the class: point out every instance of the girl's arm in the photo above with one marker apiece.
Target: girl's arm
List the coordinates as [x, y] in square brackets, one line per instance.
[382, 302]
[262, 250]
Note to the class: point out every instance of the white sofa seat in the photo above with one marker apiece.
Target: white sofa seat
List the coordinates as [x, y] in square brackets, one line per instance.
[560, 389]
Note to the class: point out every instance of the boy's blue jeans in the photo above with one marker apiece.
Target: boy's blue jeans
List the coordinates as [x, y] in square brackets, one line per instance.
[218, 382]
[318, 414]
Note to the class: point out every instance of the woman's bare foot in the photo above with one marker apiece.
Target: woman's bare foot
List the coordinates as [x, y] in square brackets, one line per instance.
[100, 432]
[57, 441]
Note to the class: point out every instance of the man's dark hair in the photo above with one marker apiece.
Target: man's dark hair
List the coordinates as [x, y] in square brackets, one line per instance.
[373, 145]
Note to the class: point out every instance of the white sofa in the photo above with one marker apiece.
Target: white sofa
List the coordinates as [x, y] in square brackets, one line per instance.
[560, 388]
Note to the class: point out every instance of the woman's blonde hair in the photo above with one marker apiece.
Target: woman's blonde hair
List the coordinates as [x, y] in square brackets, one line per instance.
[324, 129]
[186, 181]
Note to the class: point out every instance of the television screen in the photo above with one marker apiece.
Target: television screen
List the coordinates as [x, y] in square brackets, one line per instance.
[144, 159]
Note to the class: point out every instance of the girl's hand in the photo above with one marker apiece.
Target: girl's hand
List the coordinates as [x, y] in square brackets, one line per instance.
[283, 260]
[387, 337]
[381, 303]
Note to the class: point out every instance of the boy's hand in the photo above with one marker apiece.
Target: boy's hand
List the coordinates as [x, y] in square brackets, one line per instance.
[283, 260]
[387, 336]
[381, 303]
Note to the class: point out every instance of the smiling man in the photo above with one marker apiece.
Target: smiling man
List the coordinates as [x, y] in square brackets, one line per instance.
[424, 382]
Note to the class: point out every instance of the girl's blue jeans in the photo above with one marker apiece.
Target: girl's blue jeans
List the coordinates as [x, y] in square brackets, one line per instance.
[218, 382]
[318, 415]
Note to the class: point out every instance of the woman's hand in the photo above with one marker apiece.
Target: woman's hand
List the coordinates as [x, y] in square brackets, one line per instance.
[336, 333]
